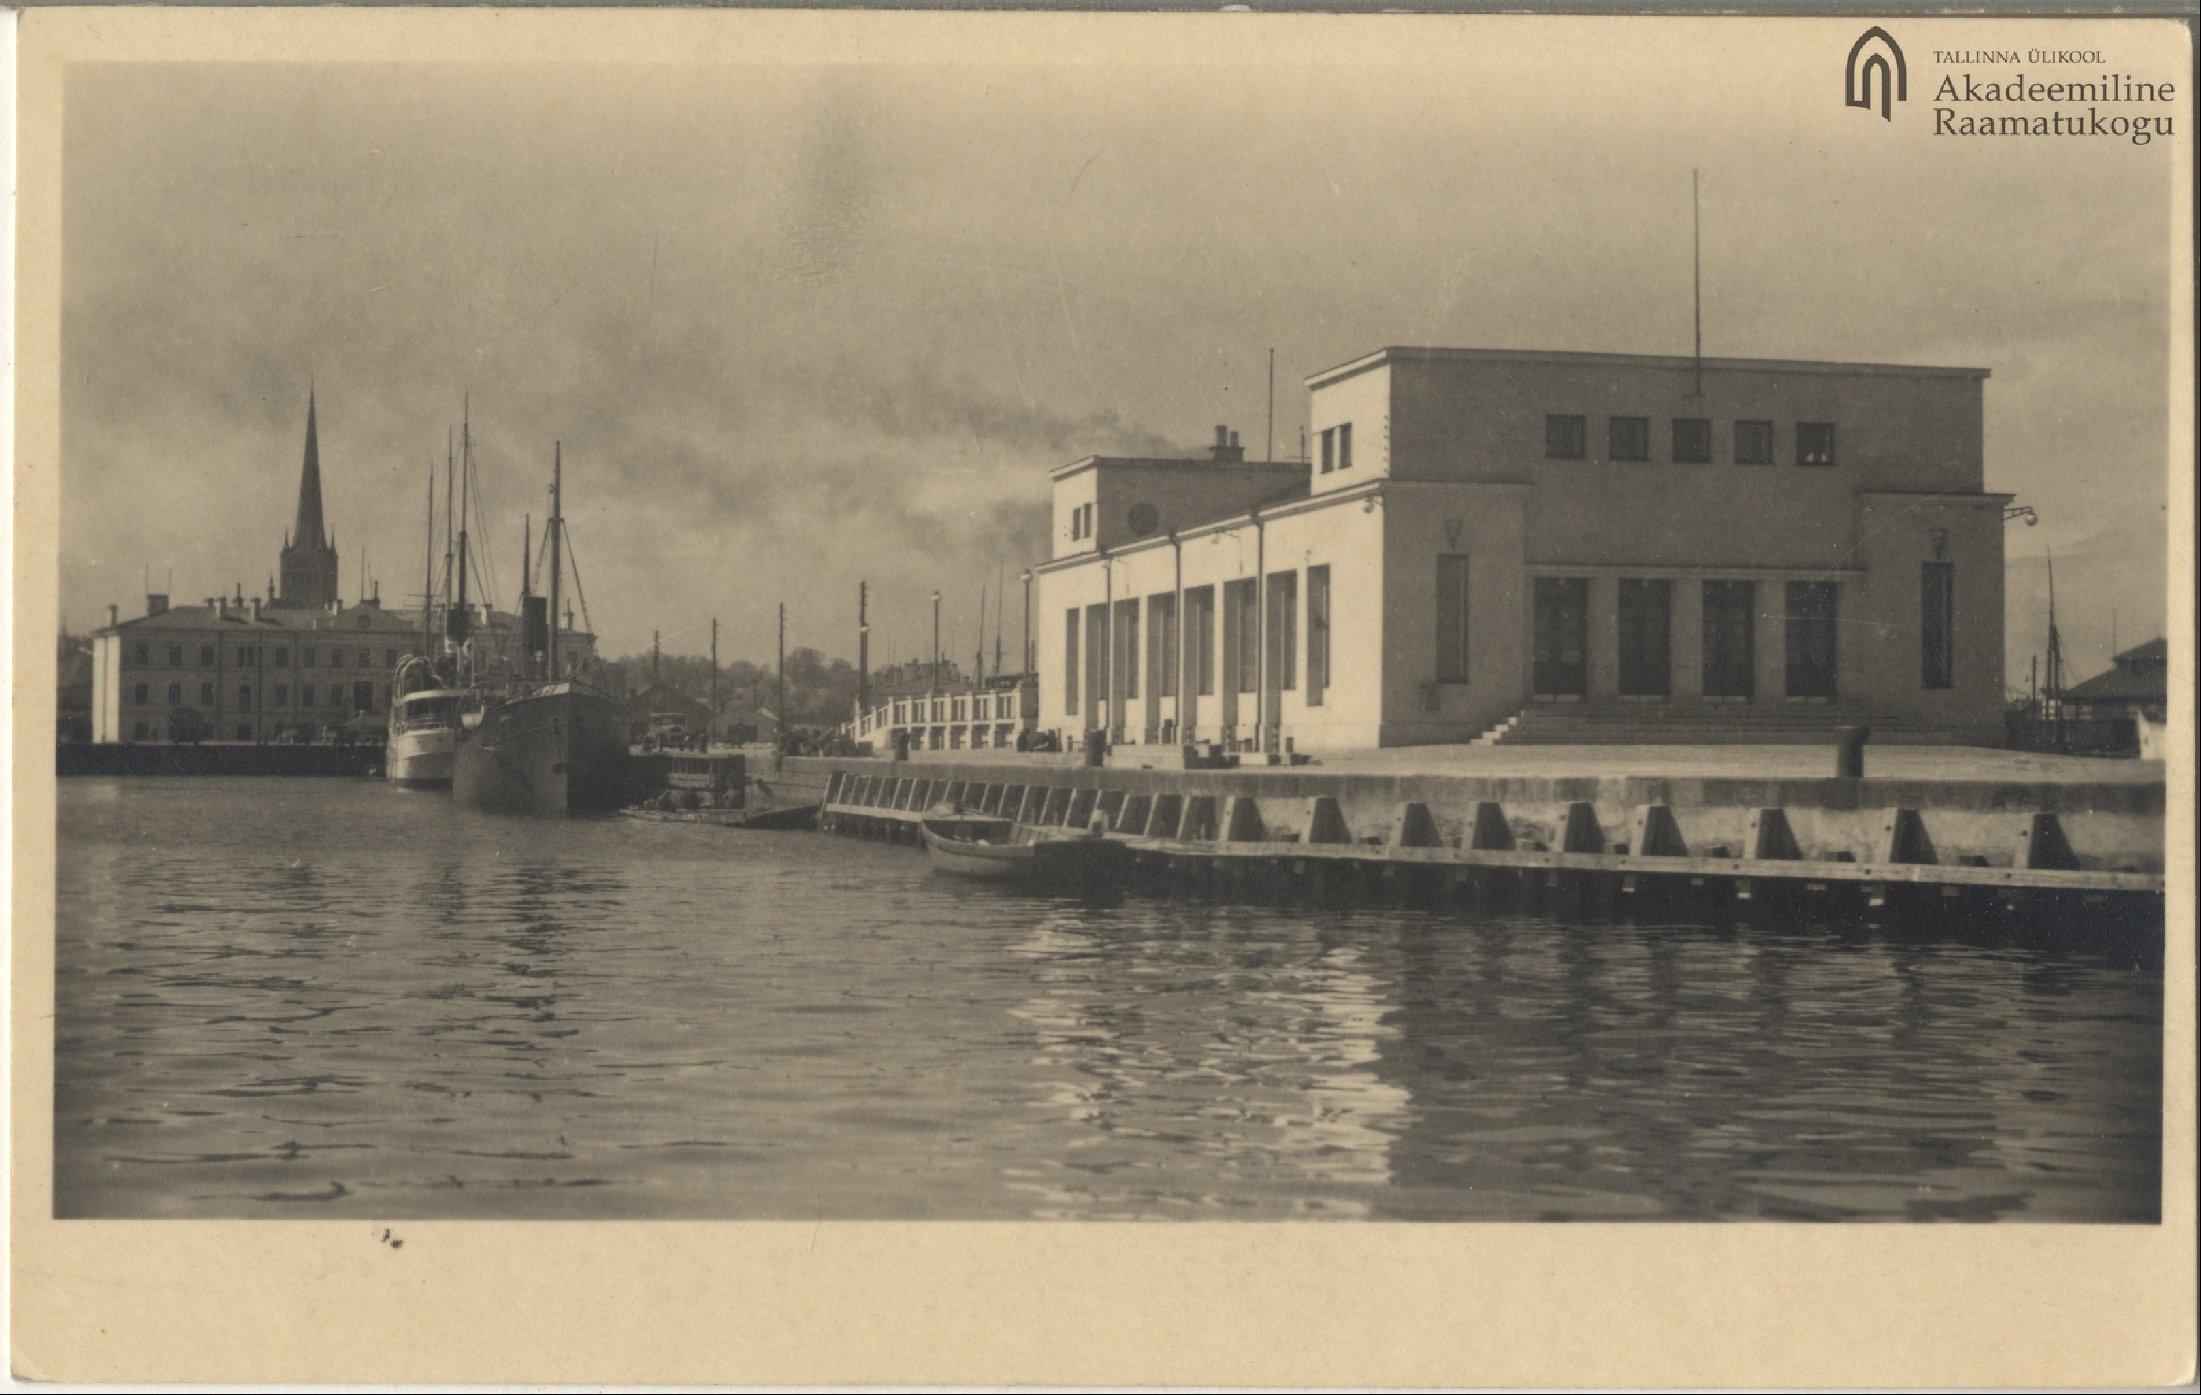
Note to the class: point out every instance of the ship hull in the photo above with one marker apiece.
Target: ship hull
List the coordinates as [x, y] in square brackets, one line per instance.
[420, 759]
[562, 750]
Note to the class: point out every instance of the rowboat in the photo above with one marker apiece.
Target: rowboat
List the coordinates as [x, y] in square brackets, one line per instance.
[965, 845]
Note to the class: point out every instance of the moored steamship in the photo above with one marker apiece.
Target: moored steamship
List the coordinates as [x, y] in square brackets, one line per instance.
[550, 744]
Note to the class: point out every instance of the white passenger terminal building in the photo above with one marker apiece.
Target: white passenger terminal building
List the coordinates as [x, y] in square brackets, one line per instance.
[1548, 546]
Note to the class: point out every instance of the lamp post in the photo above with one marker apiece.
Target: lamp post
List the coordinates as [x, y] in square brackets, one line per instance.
[936, 642]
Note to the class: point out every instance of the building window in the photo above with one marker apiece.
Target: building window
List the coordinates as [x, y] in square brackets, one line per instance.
[1451, 618]
[389, 658]
[305, 657]
[305, 695]
[1077, 523]
[1730, 639]
[336, 657]
[1161, 639]
[1814, 443]
[143, 654]
[1070, 661]
[1646, 638]
[1811, 620]
[1937, 625]
[1560, 651]
[363, 697]
[282, 656]
[1692, 441]
[336, 697]
[175, 695]
[1345, 446]
[206, 656]
[175, 656]
[1318, 633]
[282, 694]
[1564, 437]
[1753, 443]
[1629, 438]
[1127, 649]
[1096, 662]
[141, 694]
[1242, 635]
[1200, 624]
[139, 731]
[206, 694]
[1284, 630]
[1329, 449]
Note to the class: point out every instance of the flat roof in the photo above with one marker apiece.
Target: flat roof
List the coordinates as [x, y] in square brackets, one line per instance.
[1172, 462]
[1680, 361]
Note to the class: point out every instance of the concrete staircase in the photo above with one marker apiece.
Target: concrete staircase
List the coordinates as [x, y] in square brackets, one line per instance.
[1613, 723]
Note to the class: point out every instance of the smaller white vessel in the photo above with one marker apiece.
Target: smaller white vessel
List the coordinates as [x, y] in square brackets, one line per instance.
[424, 729]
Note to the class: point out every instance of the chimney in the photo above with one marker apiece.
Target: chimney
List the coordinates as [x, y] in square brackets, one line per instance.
[114, 616]
[1226, 450]
[156, 602]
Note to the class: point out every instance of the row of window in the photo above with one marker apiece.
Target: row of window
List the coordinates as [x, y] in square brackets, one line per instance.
[1689, 440]
[248, 655]
[1337, 447]
[145, 731]
[1559, 644]
[363, 696]
[1111, 647]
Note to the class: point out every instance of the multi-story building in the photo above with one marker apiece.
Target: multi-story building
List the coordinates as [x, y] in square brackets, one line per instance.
[1496, 543]
[297, 665]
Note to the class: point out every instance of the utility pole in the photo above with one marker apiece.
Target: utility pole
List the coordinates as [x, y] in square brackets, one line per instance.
[780, 709]
[1271, 455]
[1028, 620]
[863, 647]
[936, 642]
[1000, 605]
[978, 664]
[710, 718]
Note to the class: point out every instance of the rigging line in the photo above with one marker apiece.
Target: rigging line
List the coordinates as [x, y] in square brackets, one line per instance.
[578, 588]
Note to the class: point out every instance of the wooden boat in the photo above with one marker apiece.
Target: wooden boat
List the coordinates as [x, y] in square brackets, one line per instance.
[965, 845]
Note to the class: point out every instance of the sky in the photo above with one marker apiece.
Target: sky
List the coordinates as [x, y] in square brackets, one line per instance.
[797, 324]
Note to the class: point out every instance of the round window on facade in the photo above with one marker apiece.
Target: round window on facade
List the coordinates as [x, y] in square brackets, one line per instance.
[1143, 520]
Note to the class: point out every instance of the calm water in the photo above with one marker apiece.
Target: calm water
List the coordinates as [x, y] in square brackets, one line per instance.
[320, 998]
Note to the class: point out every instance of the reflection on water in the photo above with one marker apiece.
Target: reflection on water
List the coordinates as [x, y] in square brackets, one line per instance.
[325, 998]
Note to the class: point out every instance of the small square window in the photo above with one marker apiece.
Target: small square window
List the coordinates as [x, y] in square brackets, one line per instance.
[1565, 438]
[175, 655]
[1814, 443]
[143, 656]
[1753, 443]
[1629, 438]
[1692, 441]
[140, 693]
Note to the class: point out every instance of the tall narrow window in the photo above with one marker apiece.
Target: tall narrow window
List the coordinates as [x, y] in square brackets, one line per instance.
[1070, 672]
[1451, 618]
[1730, 639]
[1814, 443]
[1243, 621]
[1127, 648]
[1284, 630]
[1646, 638]
[1629, 438]
[1200, 627]
[1318, 633]
[1161, 644]
[1563, 437]
[1937, 625]
[1345, 446]
[1329, 449]
[1811, 645]
[1560, 660]
[1692, 441]
[1096, 662]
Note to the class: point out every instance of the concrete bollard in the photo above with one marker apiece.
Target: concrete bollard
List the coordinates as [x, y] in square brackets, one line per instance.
[1096, 747]
[1849, 752]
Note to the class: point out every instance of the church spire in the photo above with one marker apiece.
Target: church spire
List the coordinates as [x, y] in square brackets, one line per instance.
[308, 532]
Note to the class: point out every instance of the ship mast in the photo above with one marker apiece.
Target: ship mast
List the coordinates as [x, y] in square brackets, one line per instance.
[557, 529]
[461, 617]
